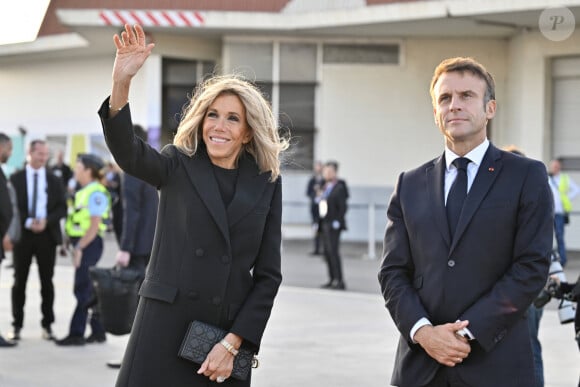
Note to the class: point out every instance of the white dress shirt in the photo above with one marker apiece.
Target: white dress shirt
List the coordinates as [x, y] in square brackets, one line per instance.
[42, 195]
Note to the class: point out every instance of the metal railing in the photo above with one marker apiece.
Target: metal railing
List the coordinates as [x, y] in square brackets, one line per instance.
[373, 235]
[370, 208]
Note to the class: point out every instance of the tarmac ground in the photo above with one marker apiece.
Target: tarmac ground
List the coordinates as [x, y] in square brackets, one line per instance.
[315, 337]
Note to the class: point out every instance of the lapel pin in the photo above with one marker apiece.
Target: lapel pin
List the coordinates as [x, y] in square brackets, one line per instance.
[491, 169]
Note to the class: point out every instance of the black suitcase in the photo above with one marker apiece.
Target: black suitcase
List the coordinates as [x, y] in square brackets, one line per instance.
[117, 292]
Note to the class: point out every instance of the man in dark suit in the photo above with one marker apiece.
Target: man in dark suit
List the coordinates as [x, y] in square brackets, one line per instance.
[5, 207]
[42, 204]
[466, 248]
[140, 201]
[333, 208]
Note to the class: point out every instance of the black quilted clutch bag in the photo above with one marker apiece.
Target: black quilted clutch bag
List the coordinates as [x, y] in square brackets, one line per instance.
[200, 339]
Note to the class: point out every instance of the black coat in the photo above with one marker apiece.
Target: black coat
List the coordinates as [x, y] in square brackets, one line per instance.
[140, 201]
[5, 210]
[488, 274]
[217, 265]
[55, 206]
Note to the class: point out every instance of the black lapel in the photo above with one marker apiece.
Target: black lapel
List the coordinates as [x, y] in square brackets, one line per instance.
[435, 188]
[489, 169]
[200, 172]
[249, 188]
[21, 188]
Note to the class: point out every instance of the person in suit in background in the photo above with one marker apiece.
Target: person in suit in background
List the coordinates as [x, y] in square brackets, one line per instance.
[313, 191]
[15, 229]
[41, 204]
[333, 206]
[216, 252]
[5, 209]
[564, 189]
[140, 201]
[466, 248]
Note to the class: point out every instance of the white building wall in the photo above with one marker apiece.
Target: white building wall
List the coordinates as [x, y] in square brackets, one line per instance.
[57, 96]
[378, 120]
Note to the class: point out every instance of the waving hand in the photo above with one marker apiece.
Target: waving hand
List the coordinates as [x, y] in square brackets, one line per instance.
[132, 51]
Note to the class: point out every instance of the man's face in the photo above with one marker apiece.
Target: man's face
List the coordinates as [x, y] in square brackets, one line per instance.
[459, 110]
[5, 151]
[38, 155]
[555, 167]
[329, 173]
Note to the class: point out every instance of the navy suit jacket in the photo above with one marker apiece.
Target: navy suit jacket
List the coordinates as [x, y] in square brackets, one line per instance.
[56, 202]
[488, 274]
[140, 201]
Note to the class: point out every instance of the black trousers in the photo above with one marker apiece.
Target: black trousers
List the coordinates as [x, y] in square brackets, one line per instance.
[139, 262]
[42, 247]
[447, 377]
[331, 239]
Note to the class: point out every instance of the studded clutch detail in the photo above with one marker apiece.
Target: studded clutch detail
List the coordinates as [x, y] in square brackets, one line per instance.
[201, 338]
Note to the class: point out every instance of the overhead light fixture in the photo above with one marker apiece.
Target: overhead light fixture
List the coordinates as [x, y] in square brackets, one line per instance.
[21, 20]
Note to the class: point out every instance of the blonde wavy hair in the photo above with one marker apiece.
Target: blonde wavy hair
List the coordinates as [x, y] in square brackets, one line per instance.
[265, 144]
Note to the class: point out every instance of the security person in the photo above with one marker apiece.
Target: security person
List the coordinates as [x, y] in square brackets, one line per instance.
[85, 227]
[564, 189]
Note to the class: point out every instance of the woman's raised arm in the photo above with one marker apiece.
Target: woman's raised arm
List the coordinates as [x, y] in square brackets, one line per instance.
[132, 51]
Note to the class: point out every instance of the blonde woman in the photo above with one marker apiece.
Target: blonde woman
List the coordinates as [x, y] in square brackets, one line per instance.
[216, 251]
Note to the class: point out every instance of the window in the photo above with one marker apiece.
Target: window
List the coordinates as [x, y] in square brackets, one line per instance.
[180, 77]
[297, 96]
[252, 60]
[286, 74]
[361, 53]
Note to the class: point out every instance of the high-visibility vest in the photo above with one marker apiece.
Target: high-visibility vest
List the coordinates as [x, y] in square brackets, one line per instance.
[78, 221]
[563, 187]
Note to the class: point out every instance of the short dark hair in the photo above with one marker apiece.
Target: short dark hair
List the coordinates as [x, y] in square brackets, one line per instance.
[333, 164]
[140, 132]
[33, 143]
[92, 162]
[460, 65]
[4, 138]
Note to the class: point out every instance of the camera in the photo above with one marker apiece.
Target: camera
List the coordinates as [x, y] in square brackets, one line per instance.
[566, 308]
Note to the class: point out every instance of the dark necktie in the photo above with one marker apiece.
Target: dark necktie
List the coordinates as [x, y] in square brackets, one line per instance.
[457, 193]
[34, 196]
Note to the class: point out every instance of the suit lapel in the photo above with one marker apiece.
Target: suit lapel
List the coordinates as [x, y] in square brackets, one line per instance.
[200, 172]
[435, 180]
[249, 188]
[489, 169]
[21, 189]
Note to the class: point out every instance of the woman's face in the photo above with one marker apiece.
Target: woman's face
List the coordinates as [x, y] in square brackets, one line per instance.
[82, 174]
[225, 130]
